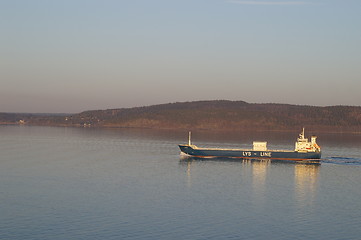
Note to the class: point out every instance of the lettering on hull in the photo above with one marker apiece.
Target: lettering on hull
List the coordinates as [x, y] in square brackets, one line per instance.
[265, 154]
[255, 154]
[247, 154]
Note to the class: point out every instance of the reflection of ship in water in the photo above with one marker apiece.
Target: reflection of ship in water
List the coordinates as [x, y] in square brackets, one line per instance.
[306, 183]
[259, 181]
[189, 176]
[261, 173]
[259, 168]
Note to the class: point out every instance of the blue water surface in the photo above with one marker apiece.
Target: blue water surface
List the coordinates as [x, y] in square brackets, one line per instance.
[75, 183]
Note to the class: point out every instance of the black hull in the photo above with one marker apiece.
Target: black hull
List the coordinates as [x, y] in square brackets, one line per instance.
[244, 154]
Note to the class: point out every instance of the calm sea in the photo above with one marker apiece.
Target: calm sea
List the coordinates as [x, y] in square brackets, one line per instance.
[84, 183]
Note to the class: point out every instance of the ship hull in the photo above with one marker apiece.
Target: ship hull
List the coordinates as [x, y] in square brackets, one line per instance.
[240, 153]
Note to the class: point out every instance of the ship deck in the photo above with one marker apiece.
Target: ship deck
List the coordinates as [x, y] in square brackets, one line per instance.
[236, 149]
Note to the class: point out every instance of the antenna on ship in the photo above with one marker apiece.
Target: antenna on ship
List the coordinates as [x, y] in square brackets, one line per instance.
[189, 138]
[303, 132]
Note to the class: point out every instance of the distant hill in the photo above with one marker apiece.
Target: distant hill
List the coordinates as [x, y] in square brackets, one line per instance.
[215, 115]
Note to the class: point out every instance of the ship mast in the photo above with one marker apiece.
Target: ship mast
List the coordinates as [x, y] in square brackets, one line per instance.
[189, 138]
[302, 135]
[303, 132]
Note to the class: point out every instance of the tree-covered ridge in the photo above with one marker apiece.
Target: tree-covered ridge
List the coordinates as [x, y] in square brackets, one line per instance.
[219, 115]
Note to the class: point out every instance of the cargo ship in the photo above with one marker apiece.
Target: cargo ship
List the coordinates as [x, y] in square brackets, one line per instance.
[305, 151]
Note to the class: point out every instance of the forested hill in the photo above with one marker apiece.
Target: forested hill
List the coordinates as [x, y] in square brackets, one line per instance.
[217, 115]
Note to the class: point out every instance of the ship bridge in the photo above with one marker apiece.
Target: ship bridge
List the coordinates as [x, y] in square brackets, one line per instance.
[303, 145]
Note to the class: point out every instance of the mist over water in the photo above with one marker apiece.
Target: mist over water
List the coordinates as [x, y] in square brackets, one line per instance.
[84, 183]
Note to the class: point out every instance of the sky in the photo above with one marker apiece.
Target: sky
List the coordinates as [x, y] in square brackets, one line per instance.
[70, 56]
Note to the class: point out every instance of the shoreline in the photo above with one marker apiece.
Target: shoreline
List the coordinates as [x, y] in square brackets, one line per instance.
[224, 130]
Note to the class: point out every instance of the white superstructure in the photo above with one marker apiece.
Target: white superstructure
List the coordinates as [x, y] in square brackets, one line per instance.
[303, 145]
[259, 146]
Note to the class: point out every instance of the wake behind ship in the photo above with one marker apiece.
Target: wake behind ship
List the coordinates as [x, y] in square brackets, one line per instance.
[305, 151]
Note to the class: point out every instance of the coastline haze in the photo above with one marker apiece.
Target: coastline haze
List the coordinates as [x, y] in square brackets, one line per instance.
[74, 56]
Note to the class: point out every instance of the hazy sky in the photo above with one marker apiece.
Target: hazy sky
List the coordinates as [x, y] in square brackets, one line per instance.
[76, 55]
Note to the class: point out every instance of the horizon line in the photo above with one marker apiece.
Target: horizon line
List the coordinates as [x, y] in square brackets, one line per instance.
[190, 101]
